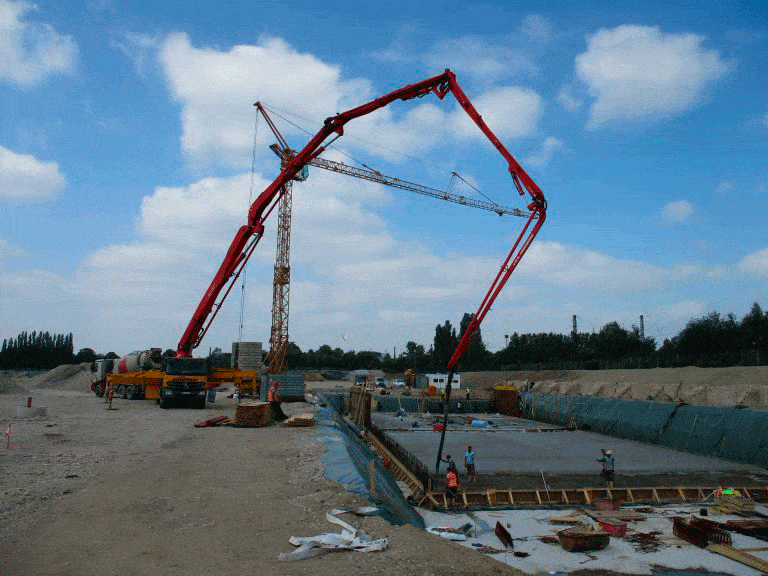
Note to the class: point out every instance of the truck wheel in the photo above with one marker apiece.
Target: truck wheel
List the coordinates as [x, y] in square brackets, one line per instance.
[124, 392]
[165, 403]
[200, 403]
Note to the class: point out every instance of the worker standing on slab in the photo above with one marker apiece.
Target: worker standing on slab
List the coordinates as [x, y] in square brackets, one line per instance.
[273, 397]
[608, 466]
[469, 463]
[451, 463]
[452, 485]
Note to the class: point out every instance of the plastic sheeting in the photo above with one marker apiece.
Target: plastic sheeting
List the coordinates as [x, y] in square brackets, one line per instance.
[735, 434]
[347, 461]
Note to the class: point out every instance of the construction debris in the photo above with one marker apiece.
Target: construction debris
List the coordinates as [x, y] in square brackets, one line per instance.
[733, 504]
[503, 535]
[645, 541]
[699, 533]
[739, 556]
[349, 539]
[570, 519]
[300, 420]
[217, 421]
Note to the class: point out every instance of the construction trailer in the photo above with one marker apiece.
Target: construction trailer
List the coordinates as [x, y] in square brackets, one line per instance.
[438, 381]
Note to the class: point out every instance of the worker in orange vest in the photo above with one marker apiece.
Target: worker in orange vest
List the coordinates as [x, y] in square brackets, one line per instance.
[452, 485]
[274, 401]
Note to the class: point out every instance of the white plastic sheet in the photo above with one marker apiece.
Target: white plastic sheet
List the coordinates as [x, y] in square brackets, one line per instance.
[350, 538]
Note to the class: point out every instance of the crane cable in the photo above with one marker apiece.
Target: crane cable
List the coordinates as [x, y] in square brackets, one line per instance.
[453, 173]
[245, 266]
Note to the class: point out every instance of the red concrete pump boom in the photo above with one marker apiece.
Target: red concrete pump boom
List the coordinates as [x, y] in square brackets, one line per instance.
[249, 235]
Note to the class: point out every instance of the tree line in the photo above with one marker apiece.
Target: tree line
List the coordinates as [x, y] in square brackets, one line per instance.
[36, 350]
[712, 340]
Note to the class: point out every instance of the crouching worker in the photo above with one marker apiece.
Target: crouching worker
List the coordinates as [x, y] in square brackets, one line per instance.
[274, 401]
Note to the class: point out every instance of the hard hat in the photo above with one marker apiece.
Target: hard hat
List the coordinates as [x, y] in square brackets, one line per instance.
[609, 452]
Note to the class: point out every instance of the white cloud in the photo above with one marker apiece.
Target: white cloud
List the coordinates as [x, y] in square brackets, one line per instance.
[537, 28]
[676, 212]
[755, 264]
[138, 48]
[345, 264]
[24, 178]
[479, 57]
[638, 72]
[581, 270]
[217, 90]
[724, 189]
[545, 153]
[569, 98]
[510, 112]
[31, 51]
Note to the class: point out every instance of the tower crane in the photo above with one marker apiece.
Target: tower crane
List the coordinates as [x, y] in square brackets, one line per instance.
[281, 284]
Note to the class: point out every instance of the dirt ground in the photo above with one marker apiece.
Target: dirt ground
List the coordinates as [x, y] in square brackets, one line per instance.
[139, 490]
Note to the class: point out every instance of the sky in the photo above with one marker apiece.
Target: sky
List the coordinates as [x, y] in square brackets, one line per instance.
[130, 151]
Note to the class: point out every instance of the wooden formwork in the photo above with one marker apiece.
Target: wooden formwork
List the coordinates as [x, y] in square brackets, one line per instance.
[587, 496]
[401, 472]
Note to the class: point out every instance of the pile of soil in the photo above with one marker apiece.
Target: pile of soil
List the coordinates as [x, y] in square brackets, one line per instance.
[9, 384]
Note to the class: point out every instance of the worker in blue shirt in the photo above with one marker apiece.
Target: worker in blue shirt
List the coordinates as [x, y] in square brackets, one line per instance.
[469, 463]
[608, 466]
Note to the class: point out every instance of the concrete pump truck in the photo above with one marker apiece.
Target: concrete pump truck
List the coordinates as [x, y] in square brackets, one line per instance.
[183, 376]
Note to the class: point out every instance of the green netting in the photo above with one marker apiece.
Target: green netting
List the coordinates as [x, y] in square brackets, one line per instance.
[731, 433]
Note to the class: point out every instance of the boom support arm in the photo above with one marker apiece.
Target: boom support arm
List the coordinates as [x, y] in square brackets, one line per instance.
[249, 235]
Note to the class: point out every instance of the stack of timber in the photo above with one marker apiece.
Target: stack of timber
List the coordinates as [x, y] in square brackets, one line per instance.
[253, 414]
[300, 420]
[731, 504]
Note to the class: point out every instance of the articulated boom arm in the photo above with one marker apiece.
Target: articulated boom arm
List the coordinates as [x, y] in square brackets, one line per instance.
[248, 235]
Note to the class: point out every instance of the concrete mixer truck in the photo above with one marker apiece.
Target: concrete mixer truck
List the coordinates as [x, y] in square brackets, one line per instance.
[171, 381]
[138, 362]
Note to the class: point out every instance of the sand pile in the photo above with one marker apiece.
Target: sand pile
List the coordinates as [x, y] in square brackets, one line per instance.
[65, 377]
[734, 386]
[9, 384]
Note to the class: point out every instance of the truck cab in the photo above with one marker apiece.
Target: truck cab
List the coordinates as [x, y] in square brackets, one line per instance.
[185, 380]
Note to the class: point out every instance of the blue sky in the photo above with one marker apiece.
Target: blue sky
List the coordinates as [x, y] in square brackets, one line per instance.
[127, 136]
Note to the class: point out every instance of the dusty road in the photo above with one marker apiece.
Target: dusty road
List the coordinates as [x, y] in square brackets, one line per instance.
[140, 491]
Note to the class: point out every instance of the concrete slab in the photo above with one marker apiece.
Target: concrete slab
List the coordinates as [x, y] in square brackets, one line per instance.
[516, 456]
